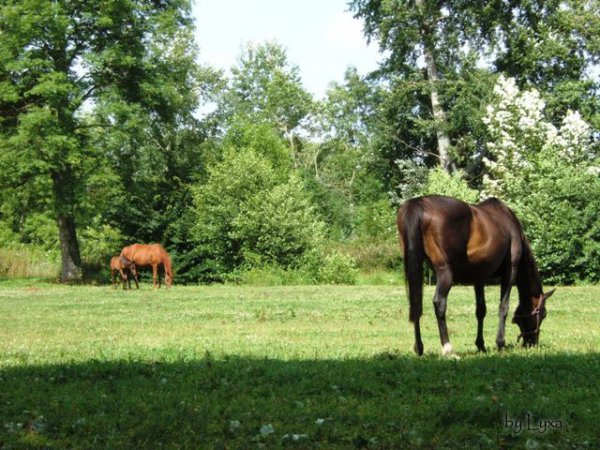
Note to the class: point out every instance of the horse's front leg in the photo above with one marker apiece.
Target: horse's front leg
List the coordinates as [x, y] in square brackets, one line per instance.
[480, 312]
[506, 285]
[134, 274]
[440, 300]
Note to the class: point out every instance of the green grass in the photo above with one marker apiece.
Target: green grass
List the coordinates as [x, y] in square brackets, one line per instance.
[312, 366]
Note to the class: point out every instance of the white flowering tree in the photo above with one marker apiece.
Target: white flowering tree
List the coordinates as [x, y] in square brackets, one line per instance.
[549, 174]
[523, 138]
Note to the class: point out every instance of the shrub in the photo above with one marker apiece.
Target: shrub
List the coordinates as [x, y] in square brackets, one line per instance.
[441, 182]
[250, 215]
[338, 269]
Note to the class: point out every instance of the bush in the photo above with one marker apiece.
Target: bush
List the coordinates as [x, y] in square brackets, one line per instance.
[441, 182]
[277, 225]
[338, 269]
[329, 268]
[250, 215]
[560, 217]
[373, 254]
[376, 220]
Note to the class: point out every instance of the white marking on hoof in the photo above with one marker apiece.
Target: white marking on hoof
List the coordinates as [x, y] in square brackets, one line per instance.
[447, 349]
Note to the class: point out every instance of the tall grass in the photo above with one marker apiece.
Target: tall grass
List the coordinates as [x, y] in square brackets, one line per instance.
[23, 262]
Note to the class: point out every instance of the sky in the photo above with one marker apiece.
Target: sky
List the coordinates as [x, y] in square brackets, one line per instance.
[320, 36]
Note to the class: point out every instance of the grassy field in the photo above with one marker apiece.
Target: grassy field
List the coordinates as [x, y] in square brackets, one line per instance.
[230, 367]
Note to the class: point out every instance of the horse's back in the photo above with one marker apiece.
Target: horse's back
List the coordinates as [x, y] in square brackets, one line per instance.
[472, 240]
[145, 254]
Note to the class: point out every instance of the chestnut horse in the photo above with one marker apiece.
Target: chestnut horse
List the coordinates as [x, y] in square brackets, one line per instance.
[119, 265]
[470, 244]
[154, 255]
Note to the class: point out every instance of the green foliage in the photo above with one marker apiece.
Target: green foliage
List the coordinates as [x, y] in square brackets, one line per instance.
[376, 220]
[265, 87]
[560, 216]
[277, 225]
[98, 128]
[441, 182]
[338, 268]
[549, 175]
[248, 214]
[57, 59]
[99, 243]
[546, 45]
[243, 132]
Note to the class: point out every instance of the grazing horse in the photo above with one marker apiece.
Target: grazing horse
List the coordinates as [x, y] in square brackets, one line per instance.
[470, 244]
[120, 265]
[154, 255]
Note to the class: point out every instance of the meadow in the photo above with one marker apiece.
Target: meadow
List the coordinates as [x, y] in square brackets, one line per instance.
[238, 367]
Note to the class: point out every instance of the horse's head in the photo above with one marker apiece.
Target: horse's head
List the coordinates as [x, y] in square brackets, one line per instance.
[529, 322]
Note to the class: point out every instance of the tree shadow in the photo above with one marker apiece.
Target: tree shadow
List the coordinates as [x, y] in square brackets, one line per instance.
[387, 401]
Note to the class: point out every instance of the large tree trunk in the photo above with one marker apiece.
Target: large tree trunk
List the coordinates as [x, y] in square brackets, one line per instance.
[439, 114]
[69, 250]
[63, 185]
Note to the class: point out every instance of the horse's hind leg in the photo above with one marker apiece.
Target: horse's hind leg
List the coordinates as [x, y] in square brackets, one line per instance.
[480, 314]
[440, 300]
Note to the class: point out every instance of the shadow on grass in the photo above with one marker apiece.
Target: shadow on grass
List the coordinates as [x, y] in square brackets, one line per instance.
[522, 401]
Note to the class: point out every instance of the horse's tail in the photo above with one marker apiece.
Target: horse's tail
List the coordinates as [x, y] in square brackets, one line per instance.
[409, 228]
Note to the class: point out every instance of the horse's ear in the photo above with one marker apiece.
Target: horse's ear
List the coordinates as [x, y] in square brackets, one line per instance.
[547, 295]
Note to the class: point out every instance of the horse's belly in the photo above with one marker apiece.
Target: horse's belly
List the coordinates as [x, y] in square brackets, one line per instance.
[476, 273]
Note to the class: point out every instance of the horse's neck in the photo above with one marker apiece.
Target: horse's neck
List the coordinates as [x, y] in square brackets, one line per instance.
[529, 282]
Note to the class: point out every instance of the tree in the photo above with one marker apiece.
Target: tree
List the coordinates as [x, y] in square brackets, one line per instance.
[266, 88]
[441, 57]
[339, 162]
[550, 175]
[58, 60]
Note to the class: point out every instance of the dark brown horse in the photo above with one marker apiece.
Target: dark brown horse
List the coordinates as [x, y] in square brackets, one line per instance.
[123, 267]
[470, 244]
[150, 255]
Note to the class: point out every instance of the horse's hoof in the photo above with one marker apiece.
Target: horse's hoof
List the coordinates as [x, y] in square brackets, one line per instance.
[480, 346]
[447, 351]
[418, 349]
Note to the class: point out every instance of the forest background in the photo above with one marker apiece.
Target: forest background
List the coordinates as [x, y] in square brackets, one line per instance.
[113, 131]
